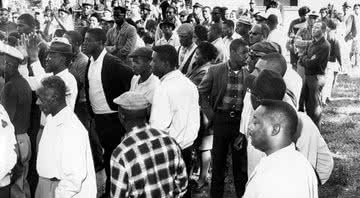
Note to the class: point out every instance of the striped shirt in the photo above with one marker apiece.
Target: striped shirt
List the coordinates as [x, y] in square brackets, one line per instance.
[148, 163]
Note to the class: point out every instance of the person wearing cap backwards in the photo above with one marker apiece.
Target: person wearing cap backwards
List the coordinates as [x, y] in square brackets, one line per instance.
[284, 172]
[8, 156]
[221, 99]
[16, 98]
[187, 48]
[169, 37]
[64, 160]
[6, 25]
[175, 107]
[302, 40]
[140, 157]
[121, 39]
[144, 81]
[270, 85]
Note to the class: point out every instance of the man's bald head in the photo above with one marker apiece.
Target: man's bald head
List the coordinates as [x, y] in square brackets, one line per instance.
[273, 61]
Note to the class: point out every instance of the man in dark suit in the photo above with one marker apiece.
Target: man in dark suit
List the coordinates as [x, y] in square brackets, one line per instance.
[221, 99]
[107, 77]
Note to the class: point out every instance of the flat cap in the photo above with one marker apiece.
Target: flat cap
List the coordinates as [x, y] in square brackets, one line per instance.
[185, 29]
[10, 51]
[132, 100]
[266, 47]
[145, 6]
[314, 13]
[143, 52]
[267, 85]
[197, 5]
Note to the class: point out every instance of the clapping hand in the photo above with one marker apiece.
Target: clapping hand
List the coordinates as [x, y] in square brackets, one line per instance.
[28, 45]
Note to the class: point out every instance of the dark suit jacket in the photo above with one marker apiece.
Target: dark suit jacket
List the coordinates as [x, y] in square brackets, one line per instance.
[213, 87]
[116, 79]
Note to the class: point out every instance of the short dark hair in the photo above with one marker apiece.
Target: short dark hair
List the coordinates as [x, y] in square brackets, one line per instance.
[167, 53]
[148, 38]
[208, 50]
[59, 32]
[272, 21]
[229, 23]
[76, 37]
[28, 19]
[98, 34]
[56, 84]
[283, 113]
[303, 11]
[265, 30]
[237, 43]
[97, 16]
[275, 62]
[201, 32]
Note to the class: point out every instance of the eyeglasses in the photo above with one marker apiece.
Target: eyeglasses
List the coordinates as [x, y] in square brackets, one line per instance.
[254, 33]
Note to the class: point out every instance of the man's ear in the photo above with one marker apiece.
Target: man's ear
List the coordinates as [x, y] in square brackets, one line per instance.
[275, 129]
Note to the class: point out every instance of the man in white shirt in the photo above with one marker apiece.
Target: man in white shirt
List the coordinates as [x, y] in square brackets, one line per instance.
[284, 172]
[214, 36]
[144, 81]
[7, 152]
[170, 37]
[229, 34]
[64, 161]
[308, 140]
[186, 51]
[276, 34]
[175, 107]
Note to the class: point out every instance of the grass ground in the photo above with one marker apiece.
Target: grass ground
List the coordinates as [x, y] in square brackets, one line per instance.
[340, 129]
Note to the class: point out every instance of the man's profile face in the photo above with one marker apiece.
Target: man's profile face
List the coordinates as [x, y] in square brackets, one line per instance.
[316, 30]
[255, 34]
[89, 44]
[52, 61]
[206, 13]
[139, 64]
[22, 27]
[45, 100]
[260, 129]
[119, 17]
[158, 66]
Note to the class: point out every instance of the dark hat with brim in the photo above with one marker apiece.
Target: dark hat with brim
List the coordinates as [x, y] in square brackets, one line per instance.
[86, 4]
[145, 6]
[64, 10]
[122, 10]
[346, 5]
[167, 23]
[267, 85]
[60, 45]
[197, 5]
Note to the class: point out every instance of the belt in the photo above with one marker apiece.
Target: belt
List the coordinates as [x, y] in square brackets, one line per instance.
[231, 113]
[54, 179]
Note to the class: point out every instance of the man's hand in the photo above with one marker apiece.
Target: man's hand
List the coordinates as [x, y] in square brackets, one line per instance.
[238, 143]
[32, 49]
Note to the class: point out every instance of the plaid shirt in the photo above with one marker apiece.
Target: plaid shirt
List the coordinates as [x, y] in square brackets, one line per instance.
[235, 90]
[148, 163]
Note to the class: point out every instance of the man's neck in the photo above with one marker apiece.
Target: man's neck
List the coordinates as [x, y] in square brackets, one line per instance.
[58, 109]
[15, 74]
[129, 125]
[97, 52]
[318, 38]
[144, 76]
[276, 148]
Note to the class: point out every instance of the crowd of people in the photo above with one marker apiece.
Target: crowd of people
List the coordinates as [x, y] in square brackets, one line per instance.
[145, 99]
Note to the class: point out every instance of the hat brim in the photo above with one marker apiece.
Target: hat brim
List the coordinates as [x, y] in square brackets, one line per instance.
[60, 52]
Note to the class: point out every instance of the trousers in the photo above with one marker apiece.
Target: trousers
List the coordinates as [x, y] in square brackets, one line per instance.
[226, 130]
[20, 188]
[46, 188]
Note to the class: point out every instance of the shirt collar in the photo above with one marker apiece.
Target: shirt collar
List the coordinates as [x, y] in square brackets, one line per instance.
[60, 117]
[193, 45]
[170, 75]
[62, 73]
[100, 57]
[319, 41]
[284, 151]
[216, 40]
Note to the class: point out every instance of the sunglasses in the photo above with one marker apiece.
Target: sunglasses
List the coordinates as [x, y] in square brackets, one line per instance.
[254, 33]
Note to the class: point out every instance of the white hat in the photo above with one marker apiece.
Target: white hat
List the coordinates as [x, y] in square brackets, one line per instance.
[10, 51]
[132, 100]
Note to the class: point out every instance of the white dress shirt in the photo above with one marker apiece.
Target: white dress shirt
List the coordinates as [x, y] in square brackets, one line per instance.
[175, 108]
[8, 155]
[310, 143]
[96, 91]
[223, 55]
[64, 153]
[147, 87]
[283, 174]
[280, 37]
[227, 41]
[174, 41]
